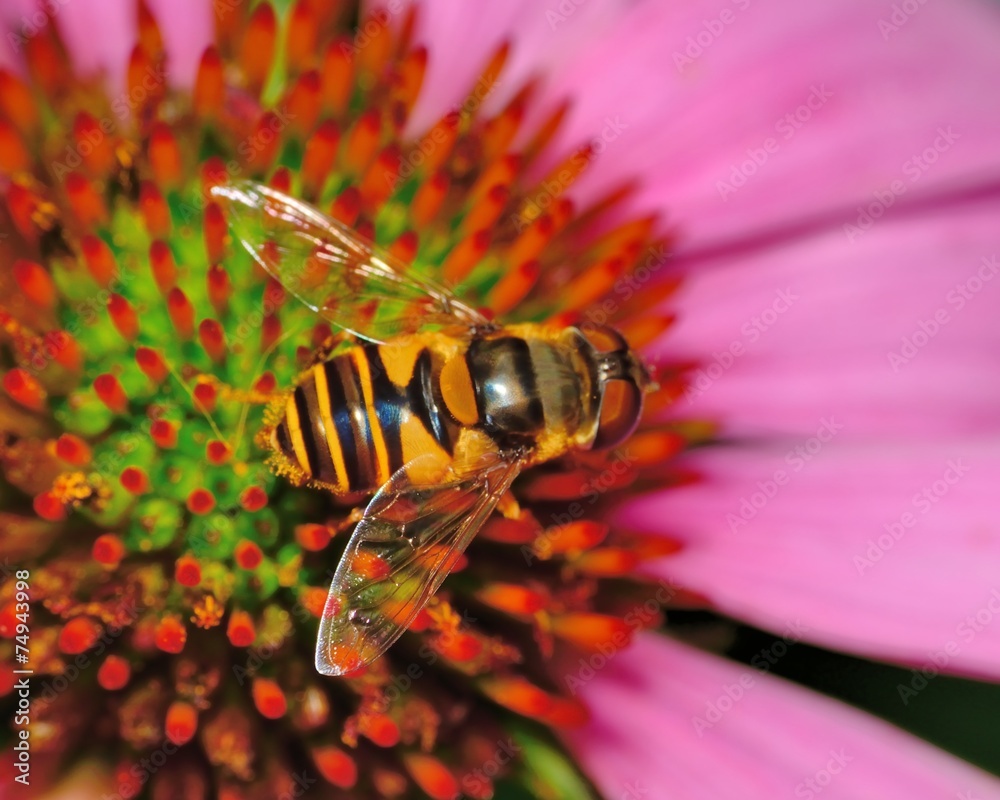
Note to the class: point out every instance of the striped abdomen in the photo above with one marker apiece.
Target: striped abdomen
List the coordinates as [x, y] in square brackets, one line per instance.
[357, 418]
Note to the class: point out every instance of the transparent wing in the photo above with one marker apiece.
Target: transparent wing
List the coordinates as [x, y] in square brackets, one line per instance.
[408, 540]
[348, 280]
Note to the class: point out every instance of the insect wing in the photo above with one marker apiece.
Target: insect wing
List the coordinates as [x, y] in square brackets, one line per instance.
[343, 277]
[406, 543]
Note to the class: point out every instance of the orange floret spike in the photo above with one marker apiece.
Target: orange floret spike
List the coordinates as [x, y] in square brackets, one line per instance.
[213, 339]
[216, 230]
[36, 283]
[512, 598]
[410, 77]
[303, 104]
[17, 103]
[99, 260]
[111, 393]
[65, 350]
[114, 673]
[428, 199]
[149, 32]
[134, 480]
[347, 206]
[432, 776]
[593, 632]
[23, 388]
[87, 205]
[487, 209]
[151, 364]
[318, 160]
[268, 698]
[201, 502]
[373, 57]
[14, 155]
[338, 77]
[301, 37]
[253, 498]
[155, 212]
[336, 766]
[465, 255]
[591, 285]
[73, 450]
[165, 156]
[161, 261]
[108, 550]
[181, 722]
[241, 630]
[258, 46]
[145, 83]
[164, 433]
[79, 635]
[361, 144]
[209, 86]
[187, 571]
[123, 316]
[181, 313]
[219, 287]
[513, 287]
[266, 139]
[170, 635]
[381, 179]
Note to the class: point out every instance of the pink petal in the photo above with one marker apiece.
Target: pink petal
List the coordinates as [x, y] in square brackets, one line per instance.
[654, 735]
[825, 324]
[887, 550]
[188, 27]
[878, 105]
[879, 102]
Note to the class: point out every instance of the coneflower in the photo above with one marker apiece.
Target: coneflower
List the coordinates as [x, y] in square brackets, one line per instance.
[522, 155]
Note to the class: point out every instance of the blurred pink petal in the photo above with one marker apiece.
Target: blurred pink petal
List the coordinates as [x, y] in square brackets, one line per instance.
[825, 324]
[100, 35]
[673, 722]
[869, 104]
[888, 550]
[188, 27]
[823, 393]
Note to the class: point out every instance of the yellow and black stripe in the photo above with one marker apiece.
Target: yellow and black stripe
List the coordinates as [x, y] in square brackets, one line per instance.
[349, 425]
[356, 419]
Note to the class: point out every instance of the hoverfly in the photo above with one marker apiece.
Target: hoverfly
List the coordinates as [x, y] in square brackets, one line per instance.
[434, 408]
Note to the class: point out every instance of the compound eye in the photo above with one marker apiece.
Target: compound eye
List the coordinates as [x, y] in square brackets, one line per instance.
[621, 408]
[605, 340]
